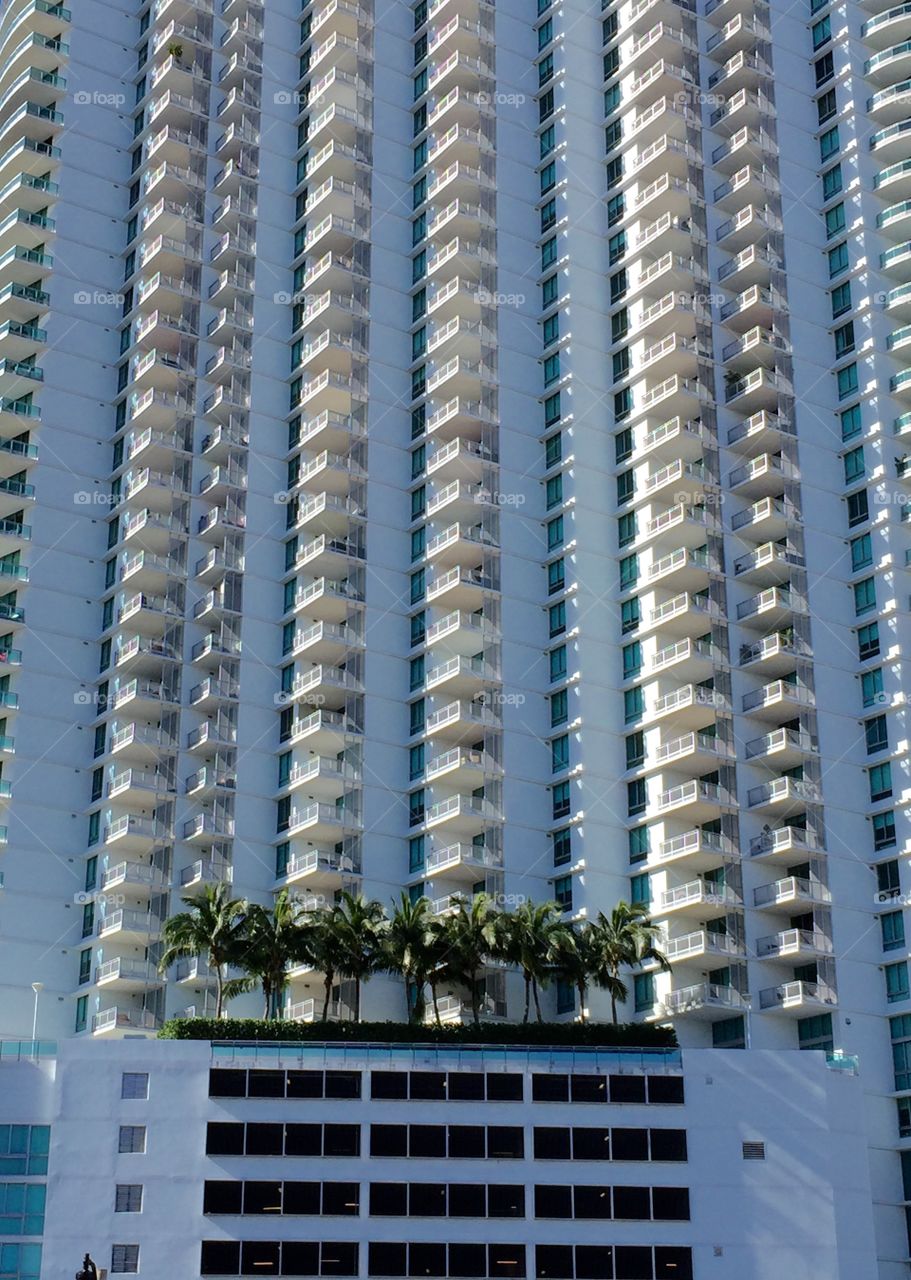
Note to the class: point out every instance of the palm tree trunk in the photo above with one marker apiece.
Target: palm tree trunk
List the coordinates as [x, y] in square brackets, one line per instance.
[436, 1007]
[219, 991]
[357, 999]
[527, 996]
[475, 1001]
[580, 987]
[534, 991]
[327, 987]
[613, 1008]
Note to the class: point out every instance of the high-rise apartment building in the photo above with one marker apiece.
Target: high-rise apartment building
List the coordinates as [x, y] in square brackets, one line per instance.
[454, 446]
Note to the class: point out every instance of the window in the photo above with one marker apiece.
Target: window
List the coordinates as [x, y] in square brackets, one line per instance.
[563, 892]
[558, 662]
[880, 782]
[22, 1209]
[901, 1050]
[128, 1198]
[561, 842]
[854, 464]
[124, 1259]
[636, 797]
[816, 1033]
[826, 106]
[626, 528]
[844, 339]
[821, 32]
[858, 508]
[897, 981]
[851, 423]
[831, 182]
[861, 552]
[549, 291]
[838, 259]
[643, 996]
[868, 641]
[883, 830]
[871, 684]
[864, 595]
[892, 924]
[638, 844]
[632, 660]
[829, 144]
[887, 881]
[824, 68]
[633, 704]
[560, 805]
[835, 220]
[132, 1139]
[556, 616]
[559, 753]
[559, 708]
[134, 1084]
[846, 381]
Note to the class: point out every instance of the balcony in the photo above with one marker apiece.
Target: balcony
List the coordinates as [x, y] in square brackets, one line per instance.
[783, 748]
[203, 872]
[323, 731]
[775, 654]
[792, 945]
[797, 999]
[123, 974]
[786, 843]
[708, 950]
[694, 801]
[700, 898]
[319, 869]
[698, 850]
[783, 795]
[131, 834]
[691, 706]
[791, 893]
[117, 1022]
[462, 815]
[322, 777]
[460, 721]
[773, 608]
[683, 614]
[321, 822]
[706, 1001]
[779, 700]
[465, 863]
[128, 924]
[139, 878]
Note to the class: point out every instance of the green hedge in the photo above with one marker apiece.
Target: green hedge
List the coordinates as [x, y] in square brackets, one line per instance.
[549, 1033]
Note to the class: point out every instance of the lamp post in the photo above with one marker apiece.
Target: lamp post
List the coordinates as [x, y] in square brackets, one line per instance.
[37, 987]
[88, 1270]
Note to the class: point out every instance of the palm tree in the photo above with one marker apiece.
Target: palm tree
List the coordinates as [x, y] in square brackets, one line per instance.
[472, 936]
[625, 938]
[321, 948]
[531, 938]
[357, 925]
[574, 961]
[410, 947]
[272, 940]
[212, 927]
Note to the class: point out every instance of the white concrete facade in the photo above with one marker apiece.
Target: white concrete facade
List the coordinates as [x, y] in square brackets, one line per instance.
[720, 1213]
[456, 447]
